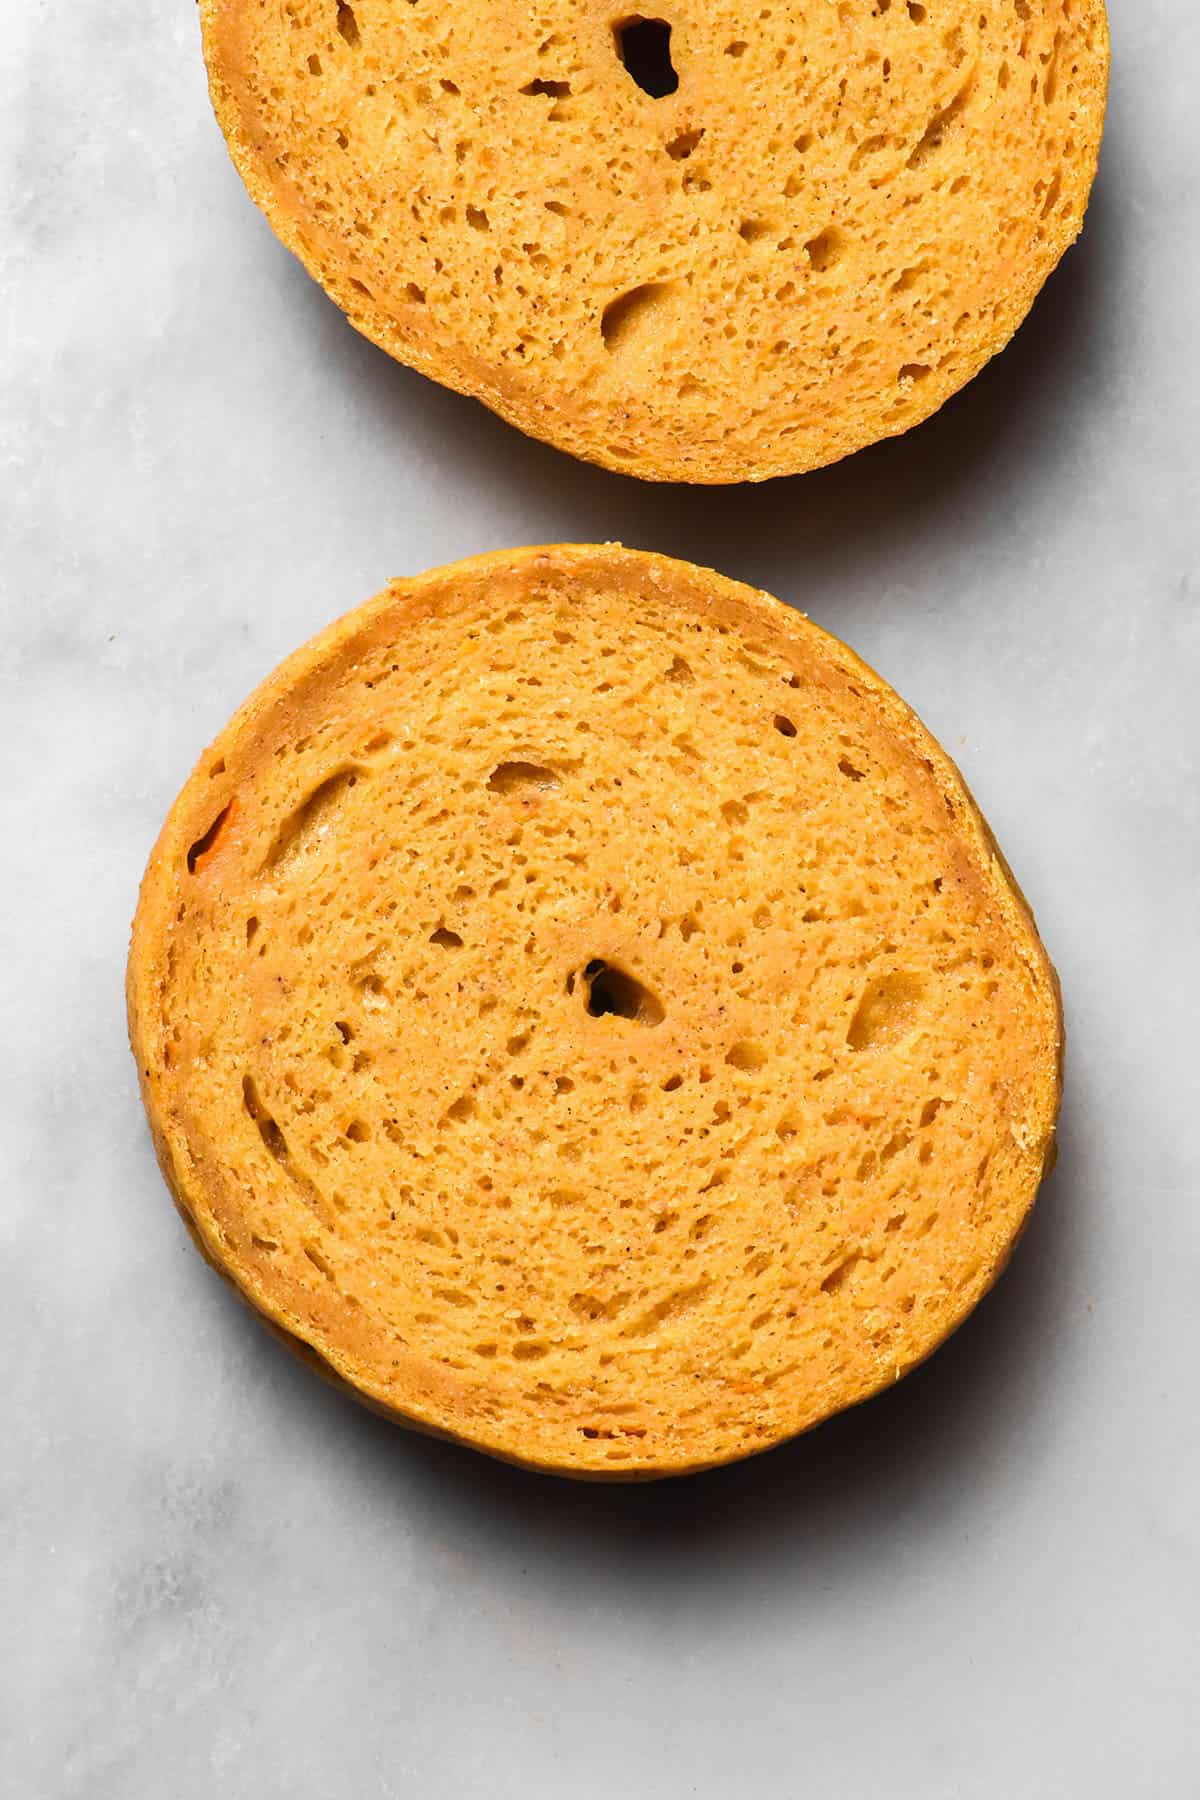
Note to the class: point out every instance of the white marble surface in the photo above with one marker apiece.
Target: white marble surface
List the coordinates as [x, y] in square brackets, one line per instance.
[216, 1578]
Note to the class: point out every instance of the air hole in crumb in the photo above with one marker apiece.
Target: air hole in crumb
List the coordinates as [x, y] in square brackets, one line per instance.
[914, 372]
[848, 769]
[784, 726]
[747, 1055]
[477, 219]
[752, 230]
[682, 145]
[251, 929]
[681, 671]
[347, 24]
[738, 47]
[1053, 194]
[511, 777]
[205, 845]
[612, 990]
[444, 939]
[631, 319]
[838, 1275]
[940, 126]
[644, 46]
[886, 1011]
[824, 250]
[553, 90]
[268, 1128]
[343, 1030]
[318, 1261]
[309, 824]
[358, 1131]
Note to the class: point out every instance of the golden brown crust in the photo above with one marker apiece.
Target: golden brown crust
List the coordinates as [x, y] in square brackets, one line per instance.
[697, 287]
[204, 1018]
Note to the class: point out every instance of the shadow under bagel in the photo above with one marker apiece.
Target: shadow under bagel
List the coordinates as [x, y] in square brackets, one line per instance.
[835, 521]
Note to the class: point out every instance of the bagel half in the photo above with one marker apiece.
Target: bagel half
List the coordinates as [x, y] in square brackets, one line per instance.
[578, 1004]
[826, 226]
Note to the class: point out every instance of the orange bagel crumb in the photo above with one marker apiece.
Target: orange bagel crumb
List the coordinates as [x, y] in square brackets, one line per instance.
[577, 1001]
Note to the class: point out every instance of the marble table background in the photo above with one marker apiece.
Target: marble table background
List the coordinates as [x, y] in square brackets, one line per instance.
[219, 1579]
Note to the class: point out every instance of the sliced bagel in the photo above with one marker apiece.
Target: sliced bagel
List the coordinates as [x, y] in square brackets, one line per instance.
[717, 245]
[579, 1001]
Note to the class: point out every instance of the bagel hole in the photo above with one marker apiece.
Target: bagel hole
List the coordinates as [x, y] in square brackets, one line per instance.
[613, 990]
[644, 47]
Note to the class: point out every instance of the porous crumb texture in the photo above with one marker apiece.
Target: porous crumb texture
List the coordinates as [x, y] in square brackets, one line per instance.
[577, 999]
[718, 244]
